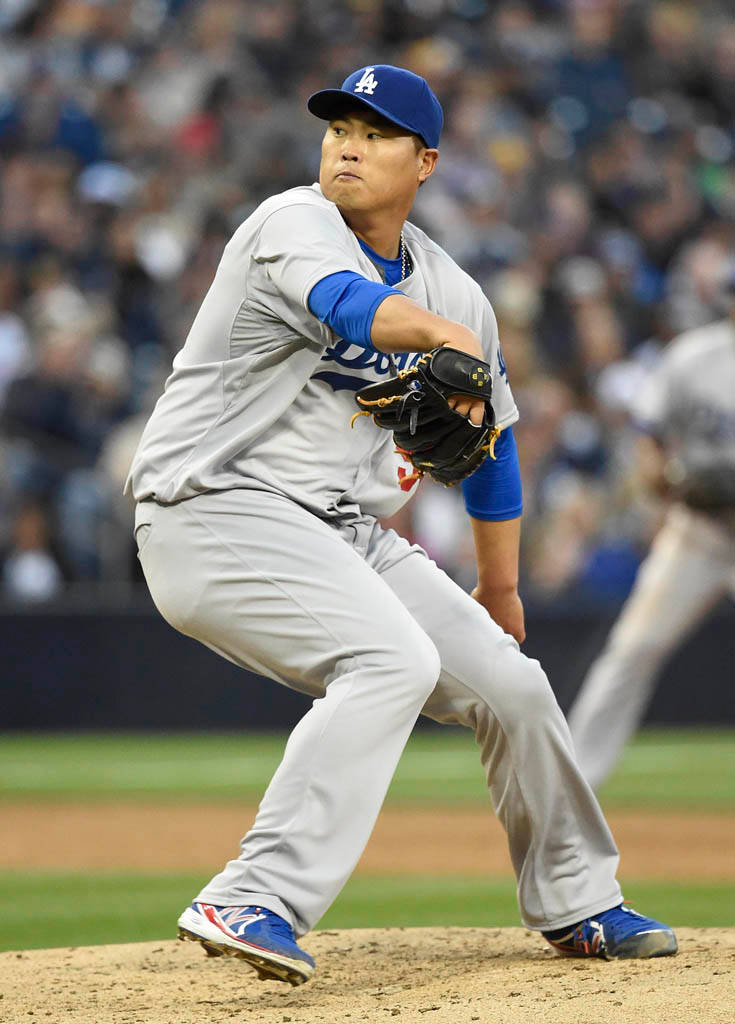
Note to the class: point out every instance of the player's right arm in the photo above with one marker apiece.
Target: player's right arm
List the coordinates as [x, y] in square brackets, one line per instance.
[401, 325]
[368, 313]
[371, 314]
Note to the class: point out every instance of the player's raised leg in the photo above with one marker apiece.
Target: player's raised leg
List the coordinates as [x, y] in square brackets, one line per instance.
[312, 614]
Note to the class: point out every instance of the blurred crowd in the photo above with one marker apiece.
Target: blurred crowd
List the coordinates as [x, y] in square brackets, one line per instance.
[586, 180]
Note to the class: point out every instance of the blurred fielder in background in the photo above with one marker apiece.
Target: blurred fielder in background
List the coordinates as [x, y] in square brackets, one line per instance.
[687, 410]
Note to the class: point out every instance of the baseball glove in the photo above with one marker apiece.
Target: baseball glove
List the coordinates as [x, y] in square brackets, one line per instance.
[415, 406]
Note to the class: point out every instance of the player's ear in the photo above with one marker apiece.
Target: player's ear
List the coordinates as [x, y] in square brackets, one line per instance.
[427, 163]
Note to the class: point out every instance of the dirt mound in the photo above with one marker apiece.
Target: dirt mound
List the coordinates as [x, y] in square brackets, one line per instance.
[436, 976]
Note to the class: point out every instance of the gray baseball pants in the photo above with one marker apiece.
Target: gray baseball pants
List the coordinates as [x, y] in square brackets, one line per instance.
[356, 617]
[690, 567]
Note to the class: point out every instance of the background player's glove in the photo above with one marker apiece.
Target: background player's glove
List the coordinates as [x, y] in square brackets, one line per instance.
[415, 406]
[708, 486]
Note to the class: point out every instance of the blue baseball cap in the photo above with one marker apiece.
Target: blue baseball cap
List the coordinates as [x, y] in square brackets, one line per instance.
[396, 94]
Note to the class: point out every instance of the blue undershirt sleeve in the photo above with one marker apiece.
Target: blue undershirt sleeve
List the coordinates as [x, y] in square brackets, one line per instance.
[346, 302]
[494, 491]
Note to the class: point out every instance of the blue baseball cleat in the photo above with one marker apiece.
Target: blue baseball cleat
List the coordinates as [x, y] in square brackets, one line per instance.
[263, 939]
[617, 934]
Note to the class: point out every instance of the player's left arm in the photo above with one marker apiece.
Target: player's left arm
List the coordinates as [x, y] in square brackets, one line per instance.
[494, 501]
[497, 545]
[493, 497]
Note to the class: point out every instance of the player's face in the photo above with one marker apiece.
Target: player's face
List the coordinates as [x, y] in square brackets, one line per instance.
[369, 164]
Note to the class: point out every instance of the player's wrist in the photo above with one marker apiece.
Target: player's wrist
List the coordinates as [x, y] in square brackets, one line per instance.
[453, 335]
[494, 587]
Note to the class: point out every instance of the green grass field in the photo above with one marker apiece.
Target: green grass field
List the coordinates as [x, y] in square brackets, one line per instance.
[42, 910]
[672, 770]
[691, 769]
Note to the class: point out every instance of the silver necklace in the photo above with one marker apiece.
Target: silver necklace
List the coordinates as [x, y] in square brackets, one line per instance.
[404, 259]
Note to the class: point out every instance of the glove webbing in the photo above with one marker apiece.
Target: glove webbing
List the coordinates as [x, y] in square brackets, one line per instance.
[382, 402]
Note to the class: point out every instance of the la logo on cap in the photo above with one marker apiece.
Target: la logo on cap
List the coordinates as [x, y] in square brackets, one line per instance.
[368, 83]
[397, 94]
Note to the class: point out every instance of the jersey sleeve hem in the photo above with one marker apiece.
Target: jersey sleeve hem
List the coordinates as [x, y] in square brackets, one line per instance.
[495, 517]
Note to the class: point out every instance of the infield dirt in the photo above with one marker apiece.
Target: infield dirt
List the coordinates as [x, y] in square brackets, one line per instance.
[435, 976]
[82, 836]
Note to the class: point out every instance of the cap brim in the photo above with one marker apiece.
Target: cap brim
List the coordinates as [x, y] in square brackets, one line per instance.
[330, 103]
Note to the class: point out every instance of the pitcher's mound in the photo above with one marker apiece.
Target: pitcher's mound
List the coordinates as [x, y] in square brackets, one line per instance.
[436, 976]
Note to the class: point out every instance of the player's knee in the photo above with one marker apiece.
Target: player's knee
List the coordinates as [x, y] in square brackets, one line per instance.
[430, 666]
[418, 665]
[529, 690]
[404, 666]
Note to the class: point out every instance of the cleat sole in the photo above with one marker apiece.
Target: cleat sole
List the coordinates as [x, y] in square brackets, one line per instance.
[266, 970]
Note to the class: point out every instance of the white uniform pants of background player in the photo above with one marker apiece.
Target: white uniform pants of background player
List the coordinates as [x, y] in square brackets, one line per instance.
[690, 567]
[372, 629]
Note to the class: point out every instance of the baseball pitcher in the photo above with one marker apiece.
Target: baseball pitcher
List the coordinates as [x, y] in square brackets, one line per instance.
[259, 489]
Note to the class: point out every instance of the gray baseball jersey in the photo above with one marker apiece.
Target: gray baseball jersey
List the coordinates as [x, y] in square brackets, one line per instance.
[689, 400]
[262, 392]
